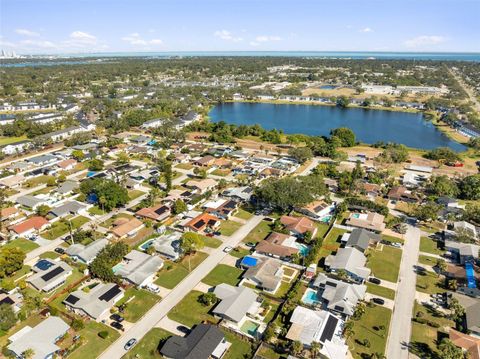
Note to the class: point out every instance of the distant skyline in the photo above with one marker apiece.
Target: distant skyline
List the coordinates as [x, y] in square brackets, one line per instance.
[85, 26]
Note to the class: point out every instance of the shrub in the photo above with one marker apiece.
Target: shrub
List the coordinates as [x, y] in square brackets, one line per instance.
[103, 334]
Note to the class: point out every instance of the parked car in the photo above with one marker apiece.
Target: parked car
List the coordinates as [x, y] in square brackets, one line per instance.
[227, 249]
[117, 317]
[397, 244]
[250, 244]
[379, 301]
[117, 325]
[152, 288]
[129, 345]
[183, 329]
[374, 280]
[59, 250]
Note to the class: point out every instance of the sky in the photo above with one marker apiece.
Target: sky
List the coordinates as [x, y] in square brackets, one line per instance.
[86, 26]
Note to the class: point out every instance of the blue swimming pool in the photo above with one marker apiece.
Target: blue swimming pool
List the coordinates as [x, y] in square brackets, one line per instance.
[303, 249]
[145, 245]
[471, 280]
[310, 297]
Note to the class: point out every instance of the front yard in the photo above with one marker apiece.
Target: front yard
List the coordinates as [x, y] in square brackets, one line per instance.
[92, 345]
[385, 263]
[380, 291]
[60, 228]
[190, 311]
[150, 344]
[173, 273]
[331, 243]
[259, 233]
[138, 302]
[23, 244]
[223, 273]
[227, 228]
[429, 282]
[428, 245]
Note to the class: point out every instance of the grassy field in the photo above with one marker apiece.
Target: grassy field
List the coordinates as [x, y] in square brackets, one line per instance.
[240, 252]
[109, 222]
[149, 345]
[58, 228]
[322, 229]
[392, 239]
[190, 311]
[212, 242]
[23, 244]
[373, 326]
[243, 214]
[227, 228]
[239, 348]
[49, 255]
[223, 273]
[36, 181]
[428, 245]
[184, 166]
[173, 273]
[385, 264]
[134, 193]
[429, 282]
[259, 233]
[142, 301]
[331, 243]
[424, 337]
[381, 291]
[7, 140]
[95, 211]
[427, 260]
[94, 345]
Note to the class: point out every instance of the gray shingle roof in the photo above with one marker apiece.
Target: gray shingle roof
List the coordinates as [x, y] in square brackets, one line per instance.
[235, 301]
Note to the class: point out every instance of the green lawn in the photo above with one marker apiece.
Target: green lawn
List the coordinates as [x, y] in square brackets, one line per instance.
[149, 345]
[392, 239]
[424, 337]
[95, 211]
[240, 252]
[93, 345]
[227, 228]
[322, 229]
[109, 222]
[385, 264]
[212, 242]
[223, 273]
[429, 282]
[142, 301]
[331, 243]
[20, 273]
[368, 327]
[259, 233]
[239, 348]
[243, 214]
[59, 228]
[428, 245]
[36, 181]
[173, 273]
[7, 140]
[221, 173]
[381, 291]
[190, 311]
[427, 260]
[23, 244]
[184, 166]
[135, 193]
[49, 255]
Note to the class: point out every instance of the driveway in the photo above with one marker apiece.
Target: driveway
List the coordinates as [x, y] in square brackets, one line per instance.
[400, 326]
[161, 309]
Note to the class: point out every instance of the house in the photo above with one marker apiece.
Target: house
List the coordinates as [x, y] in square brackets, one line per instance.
[86, 254]
[472, 312]
[31, 225]
[30, 201]
[12, 181]
[221, 208]
[400, 193]
[299, 226]
[154, 123]
[41, 160]
[68, 187]
[361, 239]
[139, 268]
[67, 165]
[339, 296]
[242, 194]
[168, 245]
[202, 222]
[66, 133]
[68, 208]
[370, 220]
[205, 161]
[95, 303]
[124, 227]
[464, 252]
[466, 227]
[235, 303]
[49, 275]
[317, 209]
[267, 273]
[203, 342]
[16, 147]
[468, 343]
[202, 186]
[41, 339]
[157, 213]
[319, 326]
[14, 299]
[331, 184]
[278, 245]
[8, 213]
[350, 260]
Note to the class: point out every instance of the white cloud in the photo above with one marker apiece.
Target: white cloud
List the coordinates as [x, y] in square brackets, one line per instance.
[227, 36]
[26, 32]
[38, 44]
[136, 40]
[267, 38]
[82, 36]
[366, 29]
[424, 40]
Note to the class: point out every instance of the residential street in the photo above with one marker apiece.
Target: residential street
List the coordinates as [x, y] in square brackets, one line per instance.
[400, 326]
[161, 309]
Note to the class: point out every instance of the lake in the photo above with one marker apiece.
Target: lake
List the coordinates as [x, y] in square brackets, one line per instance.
[370, 126]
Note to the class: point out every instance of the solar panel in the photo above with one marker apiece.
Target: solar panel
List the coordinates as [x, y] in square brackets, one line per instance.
[7, 300]
[329, 329]
[109, 294]
[161, 210]
[331, 284]
[53, 273]
[199, 224]
[71, 299]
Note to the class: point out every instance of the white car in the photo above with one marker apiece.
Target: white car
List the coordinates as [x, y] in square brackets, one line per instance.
[227, 249]
[153, 288]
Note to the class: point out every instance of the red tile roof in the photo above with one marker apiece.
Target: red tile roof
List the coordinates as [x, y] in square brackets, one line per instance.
[36, 223]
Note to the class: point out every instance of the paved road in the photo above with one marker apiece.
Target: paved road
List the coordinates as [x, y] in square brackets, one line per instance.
[400, 327]
[152, 318]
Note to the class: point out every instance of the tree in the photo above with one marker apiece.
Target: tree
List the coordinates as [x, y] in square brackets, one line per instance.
[457, 310]
[42, 210]
[443, 154]
[470, 187]
[77, 324]
[394, 153]
[179, 207]
[95, 164]
[442, 186]
[168, 175]
[7, 317]
[448, 350]
[122, 158]
[191, 242]
[207, 298]
[78, 155]
[300, 154]
[114, 195]
[315, 349]
[441, 265]
[11, 260]
[296, 347]
[345, 135]
[270, 332]
[109, 256]
[359, 311]
[3, 196]
[342, 101]
[28, 353]
[427, 212]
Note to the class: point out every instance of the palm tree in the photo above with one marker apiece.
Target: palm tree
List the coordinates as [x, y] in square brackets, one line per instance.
[315, 349]
[28, 353]
[377, 355]
[70, 227]
[102, 200]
